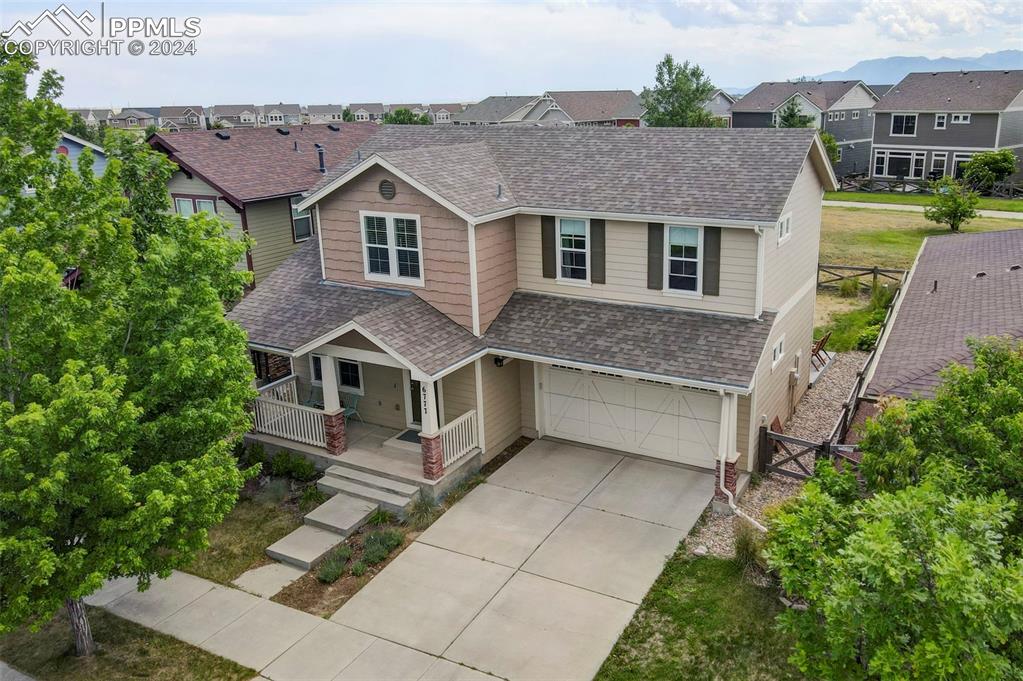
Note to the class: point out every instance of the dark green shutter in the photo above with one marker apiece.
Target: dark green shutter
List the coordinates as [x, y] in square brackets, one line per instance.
[549, 247]
[655, 255]
[597, 252]
[711, 261]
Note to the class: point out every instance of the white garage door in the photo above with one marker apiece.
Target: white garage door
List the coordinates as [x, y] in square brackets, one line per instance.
[642, 417]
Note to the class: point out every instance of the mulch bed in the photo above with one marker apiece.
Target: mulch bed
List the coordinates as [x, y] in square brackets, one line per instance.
[505, 456]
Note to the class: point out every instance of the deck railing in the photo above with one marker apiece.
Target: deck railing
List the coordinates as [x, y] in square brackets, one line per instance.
[459, 437]
[277, 412]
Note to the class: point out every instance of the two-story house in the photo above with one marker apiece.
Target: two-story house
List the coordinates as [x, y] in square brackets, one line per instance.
[132, 119]
[253, 178]
[368, 112]
[234, 116]
[72, 147]
[719, 105]
[471, 285]
[272, 115]
[494, 110]
[840, 107]
[930, 124]
[608, 108]
[175, 118]
[321, 114]
[442, 114]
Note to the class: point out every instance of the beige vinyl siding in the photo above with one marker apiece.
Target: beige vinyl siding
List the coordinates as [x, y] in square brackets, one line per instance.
[626, 269]
[459, 392]
[180, 183]
[502, 409]
[788, 266]
[383, 403]
[495, 266]
[527, 388]
[444, 236]
[269, 224]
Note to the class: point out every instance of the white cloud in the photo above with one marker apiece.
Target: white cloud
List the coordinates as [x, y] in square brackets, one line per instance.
[916, 19]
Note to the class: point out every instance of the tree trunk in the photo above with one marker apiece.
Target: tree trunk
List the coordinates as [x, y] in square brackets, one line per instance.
[80, 629]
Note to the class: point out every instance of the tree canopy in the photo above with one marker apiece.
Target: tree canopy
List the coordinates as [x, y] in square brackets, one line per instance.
[121, 395]
[791, 116]
[406, 117]
[986, 168]
[678, 97]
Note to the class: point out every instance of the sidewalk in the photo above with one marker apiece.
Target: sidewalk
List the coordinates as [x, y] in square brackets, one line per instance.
[279, 642]
[918, 209]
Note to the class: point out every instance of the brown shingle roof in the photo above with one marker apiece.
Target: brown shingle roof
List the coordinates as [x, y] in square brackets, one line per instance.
[256, 163]
[769, 96]
[931, 327]
[599, 105]
[966, 91]
[493, 109]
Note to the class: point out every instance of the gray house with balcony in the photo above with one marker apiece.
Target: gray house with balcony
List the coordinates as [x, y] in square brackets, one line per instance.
[930, 124]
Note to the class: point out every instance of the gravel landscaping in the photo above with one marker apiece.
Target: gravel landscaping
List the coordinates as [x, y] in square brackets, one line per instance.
[814, 418]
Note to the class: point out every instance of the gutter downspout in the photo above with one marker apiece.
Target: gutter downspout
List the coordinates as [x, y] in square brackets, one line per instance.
[758, 304]
[722, 460]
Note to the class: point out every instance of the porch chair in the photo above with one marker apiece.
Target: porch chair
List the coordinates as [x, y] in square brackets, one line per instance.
[350, 403]
[820, 357]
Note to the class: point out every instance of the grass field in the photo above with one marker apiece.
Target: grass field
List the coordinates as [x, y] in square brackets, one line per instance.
[860, 236]
[1012, 205]
[126, 651]
[702, 620]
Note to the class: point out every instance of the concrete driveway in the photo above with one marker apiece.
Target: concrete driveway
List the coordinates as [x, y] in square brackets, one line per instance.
[535, 573]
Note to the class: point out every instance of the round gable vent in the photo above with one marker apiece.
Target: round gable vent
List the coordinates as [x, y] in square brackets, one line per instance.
[387, 189]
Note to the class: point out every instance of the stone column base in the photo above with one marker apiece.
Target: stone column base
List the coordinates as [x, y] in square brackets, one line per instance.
[433, 456]
[334, 429]
[731, 478]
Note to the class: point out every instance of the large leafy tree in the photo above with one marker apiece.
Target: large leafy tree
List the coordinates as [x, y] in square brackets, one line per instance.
[678, 97]
[120, 395]
[406, 117]
[986, 168]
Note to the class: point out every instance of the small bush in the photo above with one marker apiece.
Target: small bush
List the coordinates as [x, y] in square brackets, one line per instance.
[748, 545]
[881, 297]
[868, 337]
[311, 498]
[333, 566]
[358, 568]
[377, 546]
[849, 288]
[294, 466]
[251, 455]
[422, 512]
[381, 517]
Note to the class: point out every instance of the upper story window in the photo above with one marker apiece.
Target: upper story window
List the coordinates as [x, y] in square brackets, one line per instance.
[843, 115]
[193, 119]
[855, 115]
[573, 249]
[903, 125]
[392, 248]
[940, 121]
[133, 121]
[190, 205]
[443, 116]
[785, 224]
[960, 118]
[301, 220]
[831, 115]
[361, 116]
[275, 118]
[247, 118]
[684, 249]
[777, 352]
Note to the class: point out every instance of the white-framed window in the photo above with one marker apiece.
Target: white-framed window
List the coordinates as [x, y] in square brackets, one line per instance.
[785, 225]
[840, 153]
[855, 115]
[193, 119]
[960, 118]
[774, 119]
[831, 115]
[842, 115]
[392, 247]
[361, 116]
[903, 125]
[348, 372]
[190, 205]
[247, 118]
[683, 250]
[958, 160]
[443, 116]
[301, 220]
[574, 249]
[909, 164]
[938, 161]
[778, 352]
[133, 121]
[940, 121]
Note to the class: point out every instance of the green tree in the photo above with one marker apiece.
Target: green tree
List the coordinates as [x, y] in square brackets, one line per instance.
[120, 400]
[791, 116]
[79, 128]
[986, 168]
[678, 97]
[406, 117]
[830, 146]
[953, 204]
[347, 116]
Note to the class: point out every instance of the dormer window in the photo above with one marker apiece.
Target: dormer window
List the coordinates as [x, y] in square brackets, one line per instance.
[133, 121]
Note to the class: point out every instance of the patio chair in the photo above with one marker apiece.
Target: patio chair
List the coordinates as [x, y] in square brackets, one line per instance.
[820, 357]
[351, 407]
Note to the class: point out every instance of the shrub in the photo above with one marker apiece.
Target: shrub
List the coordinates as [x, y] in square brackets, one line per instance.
[987, 168]
[251, 455]
[381, 517]
[867, 338]
[849, 288]
[333, 566]
[881, 297]
[358, 568]
[294, 466]
[377, 546]
[953, 204]
[311, 498]
[748, 545]
[422, 512]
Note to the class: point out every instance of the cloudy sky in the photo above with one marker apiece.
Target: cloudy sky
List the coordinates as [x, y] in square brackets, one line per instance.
[319, 52]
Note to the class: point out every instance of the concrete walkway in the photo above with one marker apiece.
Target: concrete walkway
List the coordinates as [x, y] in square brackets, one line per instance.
[533, 575]
[919, 209]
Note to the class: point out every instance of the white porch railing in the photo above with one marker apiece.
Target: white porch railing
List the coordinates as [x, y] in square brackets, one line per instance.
[459, 437]
[276, 412]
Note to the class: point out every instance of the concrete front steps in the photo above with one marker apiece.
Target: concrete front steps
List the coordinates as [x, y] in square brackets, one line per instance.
[354, 495]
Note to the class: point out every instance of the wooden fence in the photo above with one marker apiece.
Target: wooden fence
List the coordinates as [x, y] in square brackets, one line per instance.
[833, 275]
[871, 184]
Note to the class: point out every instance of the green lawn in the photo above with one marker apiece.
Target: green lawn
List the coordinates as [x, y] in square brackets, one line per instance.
[860, 236]
[1013, 205]
[126, 651]
[702, 620]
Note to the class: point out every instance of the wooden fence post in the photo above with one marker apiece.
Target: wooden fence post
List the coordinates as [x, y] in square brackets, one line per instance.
[765, 452]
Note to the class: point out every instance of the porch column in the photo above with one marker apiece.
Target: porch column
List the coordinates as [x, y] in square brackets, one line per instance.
[726, 447]
[429, 437]
[334, 418]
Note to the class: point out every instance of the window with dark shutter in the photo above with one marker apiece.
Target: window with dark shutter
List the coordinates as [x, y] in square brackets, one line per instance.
[655, 256]
[548, 247]
[711, 261]
[598, 270]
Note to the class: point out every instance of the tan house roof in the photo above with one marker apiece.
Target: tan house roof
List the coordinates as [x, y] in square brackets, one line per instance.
[769, 96]
[599, 105]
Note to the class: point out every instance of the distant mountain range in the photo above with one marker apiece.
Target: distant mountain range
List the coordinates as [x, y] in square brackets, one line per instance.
[893, 69]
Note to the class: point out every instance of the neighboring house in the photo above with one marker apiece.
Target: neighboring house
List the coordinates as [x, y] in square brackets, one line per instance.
[930, 124]
[881, 90]
[325, 113]
[72, 147]
[132, 119]
[442, 114]
[720, 106]
[472, 285]
[367, 112]
[93, 117]
[234, 115]
[175, 118]
[417, 109]
[272, 115]
[961, 286]
[608, 108]
[253, 177]
[494, 110]
[840, 107]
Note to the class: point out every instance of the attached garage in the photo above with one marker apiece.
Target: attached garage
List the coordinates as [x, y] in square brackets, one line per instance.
[632, 415]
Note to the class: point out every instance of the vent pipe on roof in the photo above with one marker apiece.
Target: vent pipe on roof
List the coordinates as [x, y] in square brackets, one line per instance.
[498, 190]
[296, 145]
[283, 131]
[333, 128]
[358, 155]
[320, 152]
[223, 135]
[935, 289]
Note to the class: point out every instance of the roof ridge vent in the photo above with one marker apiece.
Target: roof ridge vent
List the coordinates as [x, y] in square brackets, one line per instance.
[283, 131]
[224, 135]
[980, 275]
[333, 128]
[1013, 268]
